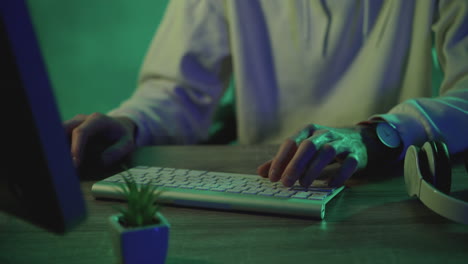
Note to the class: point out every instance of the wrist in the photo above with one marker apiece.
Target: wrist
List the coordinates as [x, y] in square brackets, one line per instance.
[128, 125]
[382, 142]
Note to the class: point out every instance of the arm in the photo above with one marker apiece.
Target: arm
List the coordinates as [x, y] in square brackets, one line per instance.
[304, 156]
[185, 72]
[444, 117]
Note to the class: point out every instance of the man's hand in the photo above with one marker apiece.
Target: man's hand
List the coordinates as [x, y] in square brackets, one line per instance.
[109, 138]
[304, 156]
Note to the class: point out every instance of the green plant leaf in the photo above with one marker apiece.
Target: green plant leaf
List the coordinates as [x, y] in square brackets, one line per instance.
[141, 201]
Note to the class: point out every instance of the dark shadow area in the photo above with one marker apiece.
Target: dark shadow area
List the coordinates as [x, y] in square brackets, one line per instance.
[461, 195]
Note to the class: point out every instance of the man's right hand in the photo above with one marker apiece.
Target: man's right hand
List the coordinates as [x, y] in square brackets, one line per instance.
[102, 138]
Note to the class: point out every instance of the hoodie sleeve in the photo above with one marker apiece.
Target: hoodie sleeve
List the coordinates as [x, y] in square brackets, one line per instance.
[185, 72]
[444, 117]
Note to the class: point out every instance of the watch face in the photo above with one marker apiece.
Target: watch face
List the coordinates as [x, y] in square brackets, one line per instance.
[388, 135]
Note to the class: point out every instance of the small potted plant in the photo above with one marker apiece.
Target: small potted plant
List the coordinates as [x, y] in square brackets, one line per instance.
[140, 232]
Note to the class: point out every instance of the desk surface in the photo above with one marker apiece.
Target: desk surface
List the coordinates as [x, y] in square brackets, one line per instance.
[373, 221]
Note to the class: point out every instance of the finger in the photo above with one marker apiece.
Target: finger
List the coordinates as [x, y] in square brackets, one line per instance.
[324, 157]
[296, 167]
[263, 169]
[71, 124]
[282, 158]
[348, 168]
[81, 134]
[117, 152]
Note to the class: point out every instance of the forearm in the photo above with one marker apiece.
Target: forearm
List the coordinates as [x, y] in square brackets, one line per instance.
[443, 118]
[184, 74]
[129, 126]
[162, 114]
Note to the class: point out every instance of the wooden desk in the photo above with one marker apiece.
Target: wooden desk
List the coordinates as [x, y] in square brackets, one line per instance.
[374, 221]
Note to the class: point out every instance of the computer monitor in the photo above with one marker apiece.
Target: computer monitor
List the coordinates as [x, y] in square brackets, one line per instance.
[38, 181]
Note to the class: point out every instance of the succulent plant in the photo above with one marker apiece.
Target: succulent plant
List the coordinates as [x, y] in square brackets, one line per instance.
[142, 203]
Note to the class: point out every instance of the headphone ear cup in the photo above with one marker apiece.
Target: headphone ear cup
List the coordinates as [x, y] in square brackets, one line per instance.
[424, 167]
[437, 171]
[444, 169]
[412, 171]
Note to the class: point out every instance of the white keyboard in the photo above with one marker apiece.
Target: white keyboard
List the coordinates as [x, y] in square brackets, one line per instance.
[225, 191]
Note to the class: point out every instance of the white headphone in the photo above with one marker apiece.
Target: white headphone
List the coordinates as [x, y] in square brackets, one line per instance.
[428, 176]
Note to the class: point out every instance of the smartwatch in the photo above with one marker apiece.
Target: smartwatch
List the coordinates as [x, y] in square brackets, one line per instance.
[382, 140]
[388, 135]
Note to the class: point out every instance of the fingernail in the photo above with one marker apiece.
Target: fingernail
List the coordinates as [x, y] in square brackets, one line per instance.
[273, 174]
[287, 181]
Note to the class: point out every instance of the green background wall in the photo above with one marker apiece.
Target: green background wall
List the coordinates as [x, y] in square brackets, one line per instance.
[94, 48]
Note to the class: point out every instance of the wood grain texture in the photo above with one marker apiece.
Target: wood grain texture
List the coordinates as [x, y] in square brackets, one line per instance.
[373, 221]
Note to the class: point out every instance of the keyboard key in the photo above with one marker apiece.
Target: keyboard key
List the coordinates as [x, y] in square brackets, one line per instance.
[172, 185]
[301, 195]
[310, 189]
[115, 178]
[219, 174]
[218, 189]
[268, 192]
[196, 173]
[234, 190]
[252, 191]
[318, 196]
[284, 194]
[180, 173]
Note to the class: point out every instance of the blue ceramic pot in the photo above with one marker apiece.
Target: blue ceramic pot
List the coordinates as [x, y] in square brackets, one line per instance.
[140, 245]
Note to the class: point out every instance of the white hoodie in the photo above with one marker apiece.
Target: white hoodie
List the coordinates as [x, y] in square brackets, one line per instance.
[333, 63]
